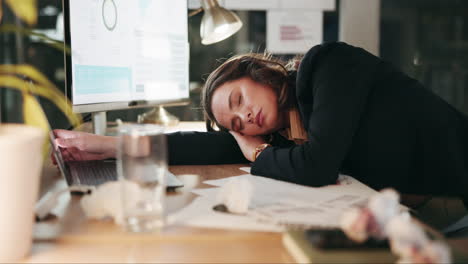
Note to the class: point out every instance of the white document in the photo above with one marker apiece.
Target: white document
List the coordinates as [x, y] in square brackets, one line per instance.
[246, 169]
[206, 192]
[276, 205]
[289, 204]
[293, 31]
[200, 213]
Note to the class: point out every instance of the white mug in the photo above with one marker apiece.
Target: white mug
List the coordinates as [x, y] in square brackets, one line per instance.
[20, 170]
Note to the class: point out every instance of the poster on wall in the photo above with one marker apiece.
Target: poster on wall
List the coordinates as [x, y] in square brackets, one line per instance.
[293, 31]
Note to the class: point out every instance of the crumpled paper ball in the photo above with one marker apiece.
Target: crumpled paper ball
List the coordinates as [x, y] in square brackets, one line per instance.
[404, 233]
[361, 223]
[236, 194]
[384, 206]
[409, 241]
[354, 224]
[432, 252]
[106, 200]
[436, 252]
[382, 218]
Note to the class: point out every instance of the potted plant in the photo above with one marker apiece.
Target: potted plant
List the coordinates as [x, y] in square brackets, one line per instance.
[27, 79]
[21, 144]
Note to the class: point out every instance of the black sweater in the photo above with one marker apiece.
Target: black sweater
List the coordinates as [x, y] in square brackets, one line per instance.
[363, 118]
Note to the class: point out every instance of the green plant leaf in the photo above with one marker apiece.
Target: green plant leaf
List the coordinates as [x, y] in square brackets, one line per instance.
[34, 115]
[39, 85]
[26, 10]
[28, 71]
[9, 28]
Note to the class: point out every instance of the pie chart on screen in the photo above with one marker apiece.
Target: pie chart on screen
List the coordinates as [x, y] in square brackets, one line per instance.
[109, 14]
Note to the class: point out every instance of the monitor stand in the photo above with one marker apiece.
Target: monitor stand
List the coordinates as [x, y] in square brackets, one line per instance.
[158, 115]
[99, 123]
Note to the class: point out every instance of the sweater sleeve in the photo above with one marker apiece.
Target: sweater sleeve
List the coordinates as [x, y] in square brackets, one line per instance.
[333, 84]
[203, 148]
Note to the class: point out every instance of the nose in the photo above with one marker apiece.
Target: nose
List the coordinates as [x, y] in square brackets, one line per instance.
[248, 117]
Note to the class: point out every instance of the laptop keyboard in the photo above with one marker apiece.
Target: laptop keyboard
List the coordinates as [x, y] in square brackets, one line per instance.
[94, 172]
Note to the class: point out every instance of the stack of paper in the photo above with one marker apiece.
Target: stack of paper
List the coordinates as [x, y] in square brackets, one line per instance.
[276, 205]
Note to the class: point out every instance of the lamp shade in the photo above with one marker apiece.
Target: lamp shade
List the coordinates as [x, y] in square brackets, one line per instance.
[217, 23]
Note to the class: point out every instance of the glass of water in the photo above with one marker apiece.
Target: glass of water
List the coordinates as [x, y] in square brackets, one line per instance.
[142, 167]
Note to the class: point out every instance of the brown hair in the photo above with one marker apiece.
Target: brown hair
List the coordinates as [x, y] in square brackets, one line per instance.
[261, 68]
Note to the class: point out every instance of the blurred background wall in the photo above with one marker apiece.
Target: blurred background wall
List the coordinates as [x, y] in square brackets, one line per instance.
[427, 39]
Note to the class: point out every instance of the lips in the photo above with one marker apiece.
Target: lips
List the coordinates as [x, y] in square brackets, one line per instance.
[259, 118]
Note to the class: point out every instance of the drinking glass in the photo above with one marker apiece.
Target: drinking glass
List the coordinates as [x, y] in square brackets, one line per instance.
[142, 167]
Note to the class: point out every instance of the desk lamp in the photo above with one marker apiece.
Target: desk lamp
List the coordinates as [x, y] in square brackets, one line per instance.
[217, 24]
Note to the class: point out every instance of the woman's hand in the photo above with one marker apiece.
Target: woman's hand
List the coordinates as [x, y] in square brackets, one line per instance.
[84, 146]
[248, 143]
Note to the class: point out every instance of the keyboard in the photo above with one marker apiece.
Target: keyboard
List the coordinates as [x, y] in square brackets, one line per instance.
[97, 172]
[93, 172]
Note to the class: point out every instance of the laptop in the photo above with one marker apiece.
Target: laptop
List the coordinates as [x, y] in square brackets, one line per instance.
[95, 172]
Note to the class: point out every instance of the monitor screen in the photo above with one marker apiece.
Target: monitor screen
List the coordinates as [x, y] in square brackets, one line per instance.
[126, 53]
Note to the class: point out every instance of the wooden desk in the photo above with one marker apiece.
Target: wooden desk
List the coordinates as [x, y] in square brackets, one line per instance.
[73, 238]
[76, 239]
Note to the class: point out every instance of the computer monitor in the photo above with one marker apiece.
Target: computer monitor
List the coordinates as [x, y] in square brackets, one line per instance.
[126, 54]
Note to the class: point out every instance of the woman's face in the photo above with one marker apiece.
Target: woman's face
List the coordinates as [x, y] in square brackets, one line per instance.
[247, 107]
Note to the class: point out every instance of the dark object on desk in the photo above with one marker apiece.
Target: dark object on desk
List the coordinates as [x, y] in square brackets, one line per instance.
[221, 208]
[337, 239]
[332, 246]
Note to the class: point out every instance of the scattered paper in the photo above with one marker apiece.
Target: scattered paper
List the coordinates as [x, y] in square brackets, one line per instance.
[200, 213]
[246, 169]
[206, 192]
[276, 205]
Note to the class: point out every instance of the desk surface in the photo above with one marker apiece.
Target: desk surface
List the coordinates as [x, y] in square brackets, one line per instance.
[72, 238]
